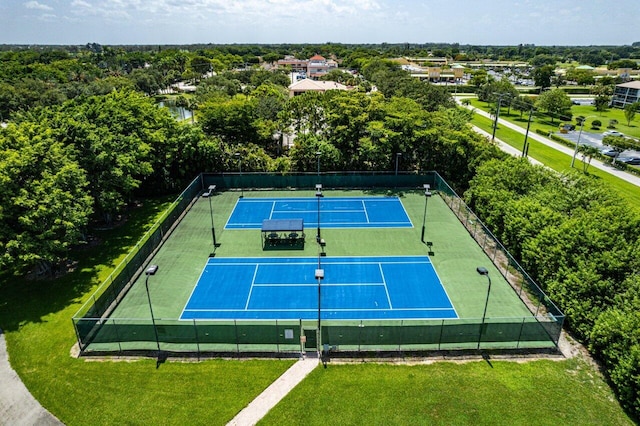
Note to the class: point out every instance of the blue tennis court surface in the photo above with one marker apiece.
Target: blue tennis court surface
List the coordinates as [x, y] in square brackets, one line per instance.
[335, 212]
[286, 288]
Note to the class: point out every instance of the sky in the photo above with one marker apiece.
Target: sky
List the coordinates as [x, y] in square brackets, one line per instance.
[479, 22]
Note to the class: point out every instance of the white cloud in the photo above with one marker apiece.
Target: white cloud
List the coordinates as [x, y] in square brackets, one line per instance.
[35, 5]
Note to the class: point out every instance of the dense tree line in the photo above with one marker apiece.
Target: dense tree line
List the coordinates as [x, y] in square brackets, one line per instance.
[582, 245]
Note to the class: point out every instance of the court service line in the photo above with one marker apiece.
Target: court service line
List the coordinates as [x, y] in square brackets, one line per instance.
[364, 208]
[316, 285]
[273, 207]
[253, 280]
[386, 290]
[316, 310]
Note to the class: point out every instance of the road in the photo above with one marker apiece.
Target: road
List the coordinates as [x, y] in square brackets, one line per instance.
[635, 180]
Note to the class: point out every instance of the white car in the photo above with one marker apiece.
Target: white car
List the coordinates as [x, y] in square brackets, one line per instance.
[612, 133]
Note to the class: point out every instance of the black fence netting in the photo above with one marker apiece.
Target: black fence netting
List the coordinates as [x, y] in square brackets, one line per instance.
[97, 331]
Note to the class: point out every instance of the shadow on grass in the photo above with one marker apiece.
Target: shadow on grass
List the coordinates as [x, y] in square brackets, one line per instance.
[24, 301]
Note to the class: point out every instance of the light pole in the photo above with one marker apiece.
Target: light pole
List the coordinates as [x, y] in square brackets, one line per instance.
[318, 154]
[525, 147]
[151, 270]
[483, 271]
[575, 151]
[319, 277]
[213, 229]
[398, 154]
[318, 196]
[237, 154]
[495, 123]
[427, 194]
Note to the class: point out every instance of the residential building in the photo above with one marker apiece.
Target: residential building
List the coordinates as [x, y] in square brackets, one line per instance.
[626, 94]
[318, 66]
[297, 65]
[306, 85]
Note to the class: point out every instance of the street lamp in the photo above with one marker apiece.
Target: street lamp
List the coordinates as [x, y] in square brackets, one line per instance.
[213, 229]
[525, 146]
[319, 277]
[398, 154]
[318, 196]
[575, 151]
[318, 154]
[237, 154]
[151, 270]
[495, 122]
[427, 194]
[483, 271]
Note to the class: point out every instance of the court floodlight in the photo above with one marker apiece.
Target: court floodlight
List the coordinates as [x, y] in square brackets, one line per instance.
[318, 196]
[151, 270]
[213, 229]
[427, 194]
[484, 271]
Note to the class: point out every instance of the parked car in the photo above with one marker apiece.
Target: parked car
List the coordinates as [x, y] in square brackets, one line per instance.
[609, 152]
[612, 133]
[629, 160]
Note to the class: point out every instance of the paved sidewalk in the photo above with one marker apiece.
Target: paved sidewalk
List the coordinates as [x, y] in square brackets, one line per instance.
[17, 406]
[264, 402]
[506, 147]
[559, 147]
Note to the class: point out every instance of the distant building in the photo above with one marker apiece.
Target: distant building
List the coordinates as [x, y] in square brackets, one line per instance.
[626, 94]
[314, 68]
[307, 85]
[297, 65]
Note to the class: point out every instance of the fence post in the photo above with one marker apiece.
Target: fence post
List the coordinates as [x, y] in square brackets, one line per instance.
[235, 326]
[115, 327]
[520, 333]
[441, 330]
[195, 329]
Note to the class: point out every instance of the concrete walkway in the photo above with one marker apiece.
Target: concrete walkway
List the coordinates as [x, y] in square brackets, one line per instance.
[17, 406]
[635, 180]
[264, 402]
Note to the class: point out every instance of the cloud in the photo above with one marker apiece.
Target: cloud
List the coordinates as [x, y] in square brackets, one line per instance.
[35, 5]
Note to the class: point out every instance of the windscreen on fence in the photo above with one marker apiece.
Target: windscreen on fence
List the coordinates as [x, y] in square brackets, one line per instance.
[93, 325]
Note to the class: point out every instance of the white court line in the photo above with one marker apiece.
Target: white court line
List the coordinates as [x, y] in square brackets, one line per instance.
[316, 285]
[253, 280]
[273, 206]
[327, 309]
[364, 208]
[193, 290]
[386, 290]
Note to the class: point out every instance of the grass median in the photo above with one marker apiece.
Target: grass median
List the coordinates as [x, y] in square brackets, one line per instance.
[557, 160]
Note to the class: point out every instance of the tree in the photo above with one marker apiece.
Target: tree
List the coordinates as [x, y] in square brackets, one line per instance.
[523, 104]
[45, 199]
[630, 112]
[542, 76]
[555, 102]
[587, 152]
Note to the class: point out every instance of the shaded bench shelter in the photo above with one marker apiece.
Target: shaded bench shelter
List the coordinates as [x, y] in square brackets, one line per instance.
[282, 233]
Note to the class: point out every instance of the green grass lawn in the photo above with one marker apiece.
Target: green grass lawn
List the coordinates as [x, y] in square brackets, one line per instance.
[35, 316]
[557, 160]
[445, 393]
[546, 123]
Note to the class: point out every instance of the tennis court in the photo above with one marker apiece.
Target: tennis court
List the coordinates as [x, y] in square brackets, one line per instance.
[331, 212]
[404, 287]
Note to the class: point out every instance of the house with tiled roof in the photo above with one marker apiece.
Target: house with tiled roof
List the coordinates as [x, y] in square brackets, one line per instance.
[307, 85]
[318, 66]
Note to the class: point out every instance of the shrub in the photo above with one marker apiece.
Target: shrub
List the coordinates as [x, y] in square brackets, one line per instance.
[595, 124]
